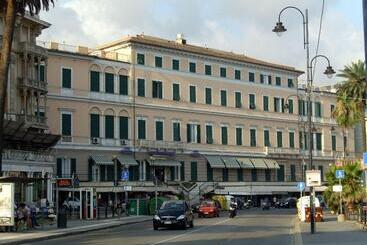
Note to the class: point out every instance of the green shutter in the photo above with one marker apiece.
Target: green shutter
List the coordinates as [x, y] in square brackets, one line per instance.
[293, 173]
[141, 87]
[172, 170]
[90, 170]
[198, 131]
[280, 173]
[175, 65]
[278, 81]
[225, 174]
[140, 58]
[194, 171]
[223, 98]
[188, 133]
[209, 134]
[238, 99]
[239, 136]
[158, 61]
[94, 125]
[176, 131]
[321, 168]
[66, 125]
[124, 89]
[251, 77]
[290, 83]
[42, 73]
[279, 139]
[182, 171]
[240, 174]
[318, 141]
[266, 103]
[176, 91]
[94, 81]
[252, 101]
[267, 175]
[209, 172]
[282, 104]
[224, 136]
[237, 74]
[59, 167]
[159, 130]
[208, 70]
[254, 175]
[261, 78]
[148, 171]
[208, 96]
[318, 109]
[269, 80]
[290, 106]
[141, 130]
[252, 137]
[66, 78]
[266, 138]
[333, 142]
[291, 139]
[72, 166]
[192, 66]
[124, 128]
[223, 72]
[109, 127]
[192, 94]
[109, 83]
[102, 174]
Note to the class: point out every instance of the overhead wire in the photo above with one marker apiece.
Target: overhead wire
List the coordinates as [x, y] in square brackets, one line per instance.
[319, 37]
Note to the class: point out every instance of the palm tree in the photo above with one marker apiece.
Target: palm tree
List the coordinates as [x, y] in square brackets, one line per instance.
[9, 10]
[355, 87]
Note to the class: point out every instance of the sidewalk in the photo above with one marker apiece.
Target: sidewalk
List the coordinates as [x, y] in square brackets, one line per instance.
[74, 227]
[330, 232]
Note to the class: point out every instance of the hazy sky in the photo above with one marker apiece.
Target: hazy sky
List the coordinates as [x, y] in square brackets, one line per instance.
[241, 26]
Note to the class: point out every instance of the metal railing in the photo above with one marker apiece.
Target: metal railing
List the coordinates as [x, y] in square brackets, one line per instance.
[32, 83]
[11, 154]
[31, 48]
[160, 144]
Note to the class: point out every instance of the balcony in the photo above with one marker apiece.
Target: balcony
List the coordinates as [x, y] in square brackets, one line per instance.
[26, 47]
[28, 120]
[276, 150]
[21, 155]
[153, 144]
[32, 83]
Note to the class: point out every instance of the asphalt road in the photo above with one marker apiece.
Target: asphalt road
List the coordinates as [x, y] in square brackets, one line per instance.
[252, 226]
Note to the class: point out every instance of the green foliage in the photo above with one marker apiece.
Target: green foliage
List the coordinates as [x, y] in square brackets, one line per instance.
[347, 112]
[32, 6]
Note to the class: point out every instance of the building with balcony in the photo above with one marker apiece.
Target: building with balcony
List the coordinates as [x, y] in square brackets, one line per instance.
[175, 112]
[27, 157]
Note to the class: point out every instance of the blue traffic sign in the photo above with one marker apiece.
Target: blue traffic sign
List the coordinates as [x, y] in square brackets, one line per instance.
[365, 159]
[339, 174]
[301, 186]
[125, 175]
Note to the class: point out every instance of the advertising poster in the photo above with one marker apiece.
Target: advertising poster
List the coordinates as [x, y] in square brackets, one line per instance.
[6, 204]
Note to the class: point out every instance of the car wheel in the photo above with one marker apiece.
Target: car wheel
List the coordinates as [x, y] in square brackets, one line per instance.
[192, 224]
[155, 227]
[184, 226]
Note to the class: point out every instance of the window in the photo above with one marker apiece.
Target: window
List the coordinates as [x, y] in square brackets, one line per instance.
[277, 104]
[290, 83]
[141, 87]
[208, 70]
[66, 124]
[175, 65]
[94, 81]
[253, 137]
[42, 73]
[109, 83]
[254, 175]
[176, 91]
[66, 78]
[290, 106]
[225, 174]
[94, 125]
[280, 173]
[345, 142]
[266, 103]
[209, 172]
[192, 94]
[266, 138]
[262, 78]
[252, 104]
[293, 173]
[267, 175]
[223, 72]
[251, 77]
[124, 127]
[158, 130]
[65, 168]
[176, 131]
[239, 136]
[291, 139]
[193, 133]
[269, 80]
[192, 67]
[194, 171]
[140, 59]
[208, 96]
[141, 129]
[333, 142]
[157, 89]
[240, 174]
[278, 81]
[209, 134]
[223, 98]
[319, 141]
[332, 108]
[318, 109]
[279, 139]
[321, 168]
[182, 171]
[109, 127]
[224, 134]
[158, 61]
[124, 89]
[238, 100]
[237, 74]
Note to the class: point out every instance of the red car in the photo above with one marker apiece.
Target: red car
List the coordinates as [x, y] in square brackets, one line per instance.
[208, 209]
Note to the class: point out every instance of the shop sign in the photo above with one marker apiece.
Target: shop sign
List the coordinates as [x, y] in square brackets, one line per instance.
[64, 182]
[6, 204]
[313, 178]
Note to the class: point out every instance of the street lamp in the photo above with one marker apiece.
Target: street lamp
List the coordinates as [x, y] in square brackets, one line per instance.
[279, 29]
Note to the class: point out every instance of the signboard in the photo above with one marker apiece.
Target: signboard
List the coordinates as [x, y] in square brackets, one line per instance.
[365, 159]
[301, 186]
[337, 188]
[64, 182]
[313, 178]
[127, 188]
[339, 174]
[125, 175]
[6, 204]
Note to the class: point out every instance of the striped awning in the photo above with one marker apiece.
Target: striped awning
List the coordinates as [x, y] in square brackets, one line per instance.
[272, 164]
[245, 162]
[230, 162]
[101, 159]
[164, 163]
[259, 163]
[215, 161]
[127, 160]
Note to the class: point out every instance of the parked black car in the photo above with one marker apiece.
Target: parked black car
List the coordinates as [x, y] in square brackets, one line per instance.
[174, 213]
[290, 202]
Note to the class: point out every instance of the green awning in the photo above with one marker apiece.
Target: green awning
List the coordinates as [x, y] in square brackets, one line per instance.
[230, 162]
[164, 163]
[259, 163]
[245, 162]
[127, 160]
[215, 161]
[101, 159]
[272, 164]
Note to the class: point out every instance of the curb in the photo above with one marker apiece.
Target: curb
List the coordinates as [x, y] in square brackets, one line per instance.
[297, 232]
[61, 234]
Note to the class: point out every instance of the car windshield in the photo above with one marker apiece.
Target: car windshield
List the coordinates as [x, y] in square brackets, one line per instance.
[207, 204]
[172, 205]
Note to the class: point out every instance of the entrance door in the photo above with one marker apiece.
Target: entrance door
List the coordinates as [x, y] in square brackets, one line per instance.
[159, 173]
[86, 204]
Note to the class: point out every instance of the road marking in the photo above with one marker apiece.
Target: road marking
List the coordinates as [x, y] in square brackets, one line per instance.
[190, 232]
[297, 232]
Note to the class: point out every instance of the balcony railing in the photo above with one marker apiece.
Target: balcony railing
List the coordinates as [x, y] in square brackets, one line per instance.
[31, 48]
[27, 155]
[32, 83]
[29, 120]
[160, 144]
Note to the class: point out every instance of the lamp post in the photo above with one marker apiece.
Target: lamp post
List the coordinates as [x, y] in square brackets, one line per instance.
[279, 29]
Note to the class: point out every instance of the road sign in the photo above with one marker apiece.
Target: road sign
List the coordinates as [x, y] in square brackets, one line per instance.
[337, 188]
[301, 186]
[365, 159]
[339, 174]
[313, 178]
[125, 175]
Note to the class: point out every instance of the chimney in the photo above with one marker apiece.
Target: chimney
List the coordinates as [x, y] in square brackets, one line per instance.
[180, 38]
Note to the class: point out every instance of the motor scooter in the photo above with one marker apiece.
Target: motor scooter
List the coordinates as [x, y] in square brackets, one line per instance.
[232, 211]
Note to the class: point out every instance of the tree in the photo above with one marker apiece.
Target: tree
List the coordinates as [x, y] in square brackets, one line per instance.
[9, 10]
[354, 85]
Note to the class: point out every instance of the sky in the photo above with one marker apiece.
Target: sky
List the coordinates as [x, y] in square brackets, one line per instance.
[241, 26]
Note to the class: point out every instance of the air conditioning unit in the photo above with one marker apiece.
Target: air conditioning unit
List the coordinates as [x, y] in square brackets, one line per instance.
[96, 141]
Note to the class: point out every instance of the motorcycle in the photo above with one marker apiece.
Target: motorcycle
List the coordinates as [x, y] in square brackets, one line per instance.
[232, 212]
